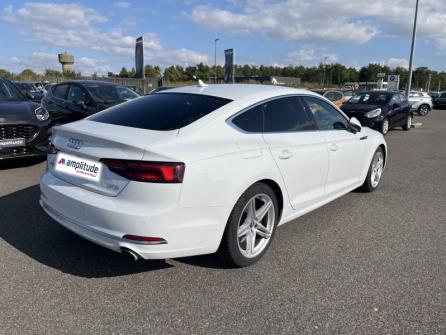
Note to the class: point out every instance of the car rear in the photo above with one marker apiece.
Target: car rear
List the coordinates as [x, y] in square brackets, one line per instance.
[110, 180]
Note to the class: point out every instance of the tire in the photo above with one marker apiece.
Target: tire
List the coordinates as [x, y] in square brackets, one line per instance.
[408, 123]
[385, 126]
[370, 184]
[423, 110]
[235, 247]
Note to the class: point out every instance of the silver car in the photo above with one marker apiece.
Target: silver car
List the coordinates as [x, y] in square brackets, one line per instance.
[421, 102]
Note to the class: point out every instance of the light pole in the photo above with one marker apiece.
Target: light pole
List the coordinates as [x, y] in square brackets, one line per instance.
[412, 48]
[215, 59]
[323, 76]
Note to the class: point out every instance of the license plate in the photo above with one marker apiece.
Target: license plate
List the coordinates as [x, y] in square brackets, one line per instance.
[12, 143]
[79, 167]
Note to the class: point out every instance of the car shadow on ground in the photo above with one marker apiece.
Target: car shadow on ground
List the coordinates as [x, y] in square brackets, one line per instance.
[20, 162]
[25, 226]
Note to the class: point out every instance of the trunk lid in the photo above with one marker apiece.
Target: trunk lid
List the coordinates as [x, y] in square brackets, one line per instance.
[82, 144]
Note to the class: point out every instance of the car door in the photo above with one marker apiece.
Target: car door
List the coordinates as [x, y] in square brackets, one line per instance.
[297, 148]
[395, 111]
[77, 103]
[441, 101]
[56, 103]
[405, 108]
[347, 150]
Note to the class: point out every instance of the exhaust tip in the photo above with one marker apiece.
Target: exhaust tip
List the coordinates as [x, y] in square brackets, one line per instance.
[131, 254]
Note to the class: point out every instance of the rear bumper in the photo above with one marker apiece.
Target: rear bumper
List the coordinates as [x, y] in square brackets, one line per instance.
[105, 220]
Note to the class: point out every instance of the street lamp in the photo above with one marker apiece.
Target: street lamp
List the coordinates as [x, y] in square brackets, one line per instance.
[215, 59]
[412, 48]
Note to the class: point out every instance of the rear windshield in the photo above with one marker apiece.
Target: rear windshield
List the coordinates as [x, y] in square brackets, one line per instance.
[166, 111]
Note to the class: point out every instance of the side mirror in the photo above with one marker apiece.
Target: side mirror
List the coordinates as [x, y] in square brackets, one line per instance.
[396, 105]
[354, 125]
[29, 96]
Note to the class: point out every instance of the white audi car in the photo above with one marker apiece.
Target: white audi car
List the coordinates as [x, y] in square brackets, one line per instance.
[205, 169]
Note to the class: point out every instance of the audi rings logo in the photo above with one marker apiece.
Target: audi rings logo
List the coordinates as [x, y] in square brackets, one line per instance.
[75, 143]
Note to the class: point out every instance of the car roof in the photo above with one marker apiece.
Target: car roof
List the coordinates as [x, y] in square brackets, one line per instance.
[379, 91]
[83, 82]
[237, 91]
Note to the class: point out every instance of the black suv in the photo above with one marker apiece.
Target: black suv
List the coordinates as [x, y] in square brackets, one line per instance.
[23, 124]
[440, 101]
[380, 110]
[74, 100]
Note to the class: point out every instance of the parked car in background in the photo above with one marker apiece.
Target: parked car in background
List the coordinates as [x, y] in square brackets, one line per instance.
[23, 124]
[136, 89]
[434, 95]
[441, 100]
[198, 170]
[336, 97]
[160, 89]
[30, 90]
[421, 102]
[74, 100]
[380, 110]
[348, 94]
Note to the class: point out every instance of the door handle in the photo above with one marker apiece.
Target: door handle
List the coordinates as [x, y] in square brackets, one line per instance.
[333, 147]
[285, 154]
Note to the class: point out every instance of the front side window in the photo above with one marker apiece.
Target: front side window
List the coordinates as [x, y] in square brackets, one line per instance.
[286, 115]
[395, 99]
[250, 120]
[75, 93]
[403, 98]
[59, 91]
[163, 111]
[325, 115]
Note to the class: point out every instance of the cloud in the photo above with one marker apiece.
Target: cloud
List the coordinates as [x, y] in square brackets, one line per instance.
[397, 62]
[71, 26]
[336, 21]
[122, 4]
[292, 20]
[307, 56]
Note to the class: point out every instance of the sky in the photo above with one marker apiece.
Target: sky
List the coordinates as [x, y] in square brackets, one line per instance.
[101, 34]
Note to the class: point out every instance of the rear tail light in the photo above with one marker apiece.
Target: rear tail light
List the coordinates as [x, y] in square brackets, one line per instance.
[149, 172]
[146, 239]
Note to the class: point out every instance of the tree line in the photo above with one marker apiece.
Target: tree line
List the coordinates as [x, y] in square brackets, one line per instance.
[326, 75]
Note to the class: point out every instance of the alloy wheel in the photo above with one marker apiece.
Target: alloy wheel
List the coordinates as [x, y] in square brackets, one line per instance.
[377, 169]
[256, 225]
[424, 110]
[385, 126]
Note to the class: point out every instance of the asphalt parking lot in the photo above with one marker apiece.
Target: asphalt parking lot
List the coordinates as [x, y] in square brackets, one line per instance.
[364, 264]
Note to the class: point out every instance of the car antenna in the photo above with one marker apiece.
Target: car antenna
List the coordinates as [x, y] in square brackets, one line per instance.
[201, 83]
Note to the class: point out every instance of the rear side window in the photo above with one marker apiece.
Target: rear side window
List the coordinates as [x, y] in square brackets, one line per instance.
[164, 111]
[251, 120]
[286, 115]
[59, 91]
